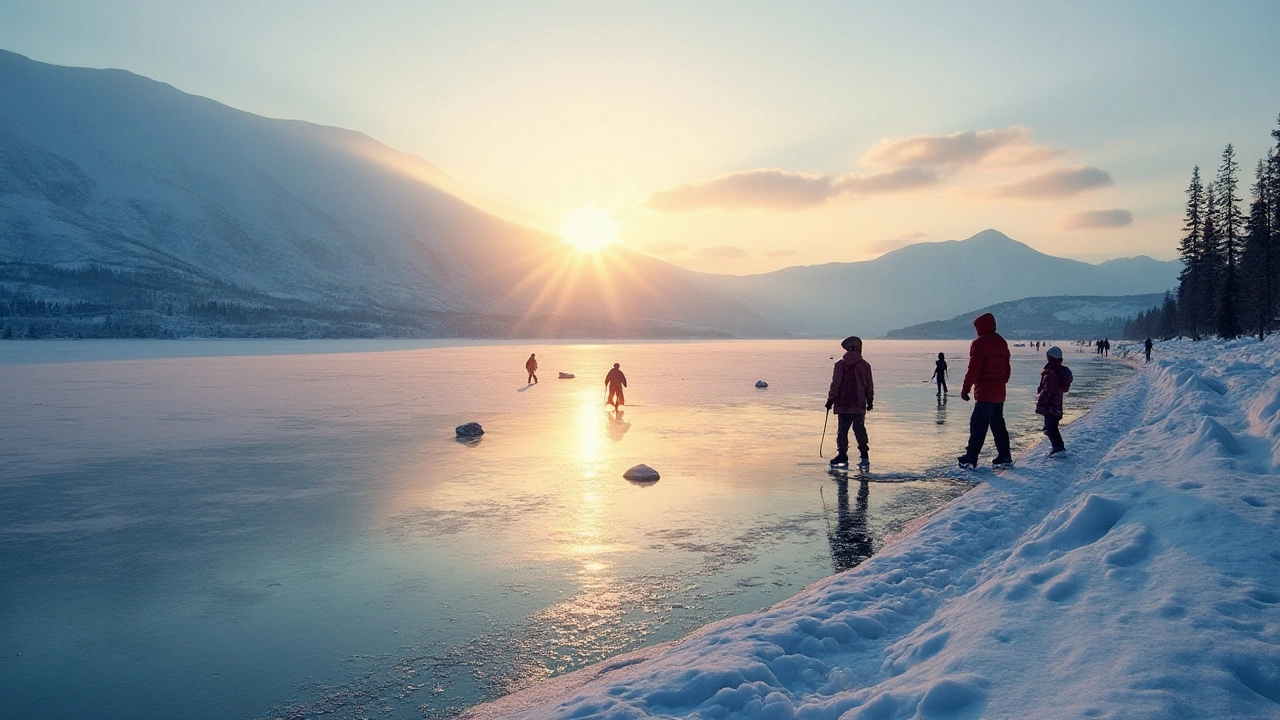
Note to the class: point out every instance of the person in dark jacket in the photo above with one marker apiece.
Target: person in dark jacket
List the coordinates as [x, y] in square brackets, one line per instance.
[615, 381]
[1055, 381]
[988, 373]
[531, 366]
[940, 374]
[1146, 346]
[851, 396]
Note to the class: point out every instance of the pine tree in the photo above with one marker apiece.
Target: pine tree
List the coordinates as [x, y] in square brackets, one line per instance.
[1191, 250]
[1168, 318]
[1229, 225]
[1259, 259]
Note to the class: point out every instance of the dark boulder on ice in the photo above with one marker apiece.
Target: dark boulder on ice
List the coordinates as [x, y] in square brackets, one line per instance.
[761, 383]
[469, 430]
[641, 474]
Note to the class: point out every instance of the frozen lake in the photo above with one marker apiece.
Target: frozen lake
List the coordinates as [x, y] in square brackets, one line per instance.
[244, 529]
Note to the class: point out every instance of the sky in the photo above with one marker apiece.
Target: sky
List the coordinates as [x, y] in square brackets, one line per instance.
[741, 137]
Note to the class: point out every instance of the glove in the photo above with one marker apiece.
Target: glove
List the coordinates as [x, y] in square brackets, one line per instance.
[830, 402]
[868, 406]
[964, 395]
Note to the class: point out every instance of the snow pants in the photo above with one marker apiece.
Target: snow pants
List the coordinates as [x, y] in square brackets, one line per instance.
[1052, 432]
[857, 421]
[615, 396]
[988, 415]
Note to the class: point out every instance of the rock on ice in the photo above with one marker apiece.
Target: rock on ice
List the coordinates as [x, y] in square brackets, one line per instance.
[641, 473]
[761, 383]
[469, 430]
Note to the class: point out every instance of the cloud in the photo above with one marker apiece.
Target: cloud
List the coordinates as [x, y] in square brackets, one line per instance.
[779, 253]
[721, 252]
[1010, 146]
[1096, 219]
[1060, 183]
[886, 182]
[768, 189]
[773, 189]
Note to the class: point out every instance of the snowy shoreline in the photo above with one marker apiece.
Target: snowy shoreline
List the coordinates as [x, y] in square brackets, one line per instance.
[1137, 577]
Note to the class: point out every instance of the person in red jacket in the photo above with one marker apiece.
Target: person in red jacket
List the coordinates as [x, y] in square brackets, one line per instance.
[988, 373]
[531, 367]
[851, 396]
[1055, 380]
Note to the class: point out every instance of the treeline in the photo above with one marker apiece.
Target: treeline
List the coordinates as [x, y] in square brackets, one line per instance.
[1230, 281]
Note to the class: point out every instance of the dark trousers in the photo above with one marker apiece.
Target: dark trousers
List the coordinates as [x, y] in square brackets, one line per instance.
[942, 386]
[1052, 432]
[988, 415]
[857, 421]
[615, 396]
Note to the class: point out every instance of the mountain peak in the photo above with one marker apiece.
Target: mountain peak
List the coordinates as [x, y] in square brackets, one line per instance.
[991, 236]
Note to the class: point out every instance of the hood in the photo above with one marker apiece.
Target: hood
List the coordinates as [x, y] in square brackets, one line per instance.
[1053, 362]
[852, 356]
[985, 324]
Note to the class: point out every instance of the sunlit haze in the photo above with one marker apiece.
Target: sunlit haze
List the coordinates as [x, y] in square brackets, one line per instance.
[742, 138]
[590, 229]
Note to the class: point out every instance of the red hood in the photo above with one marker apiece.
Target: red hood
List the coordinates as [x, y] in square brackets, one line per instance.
[985, 324]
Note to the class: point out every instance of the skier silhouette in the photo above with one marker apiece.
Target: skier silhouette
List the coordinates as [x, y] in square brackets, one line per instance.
[940, 374]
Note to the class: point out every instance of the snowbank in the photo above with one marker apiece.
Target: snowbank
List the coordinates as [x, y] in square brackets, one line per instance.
[1139, 577]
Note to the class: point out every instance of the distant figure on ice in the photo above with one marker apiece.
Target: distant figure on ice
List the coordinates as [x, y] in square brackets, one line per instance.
[940, 374]
[615, 381]
[1147, 347]
[851, 396]
[1055, 380]
[531, 365]
[1106, 347]
[988, 373]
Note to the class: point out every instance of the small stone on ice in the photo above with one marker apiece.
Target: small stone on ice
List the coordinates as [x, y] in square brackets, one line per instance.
[471, 429]
[641, 473]
[761, 383]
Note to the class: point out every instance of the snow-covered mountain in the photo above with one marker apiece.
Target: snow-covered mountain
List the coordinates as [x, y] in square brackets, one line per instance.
[139, 204]
[926, 281]
[1062, 317]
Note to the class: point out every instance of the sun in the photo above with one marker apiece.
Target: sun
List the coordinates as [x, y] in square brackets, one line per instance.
[589, 229]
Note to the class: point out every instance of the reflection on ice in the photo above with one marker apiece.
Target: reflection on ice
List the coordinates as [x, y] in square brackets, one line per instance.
[850, 541]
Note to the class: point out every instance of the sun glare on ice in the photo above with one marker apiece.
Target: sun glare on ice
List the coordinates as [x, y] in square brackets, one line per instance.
[589, 229]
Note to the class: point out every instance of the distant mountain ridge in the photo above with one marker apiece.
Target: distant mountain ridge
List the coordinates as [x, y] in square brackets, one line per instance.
[926, 281]
[128, 207]
[1042, 318]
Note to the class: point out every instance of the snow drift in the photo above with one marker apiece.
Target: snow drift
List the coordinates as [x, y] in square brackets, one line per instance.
[1138, 577]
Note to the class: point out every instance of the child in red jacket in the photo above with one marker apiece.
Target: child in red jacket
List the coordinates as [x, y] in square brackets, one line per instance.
[1055, 380]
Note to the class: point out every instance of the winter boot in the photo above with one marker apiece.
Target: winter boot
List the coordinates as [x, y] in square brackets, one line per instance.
[1057, 452]
[840, 460]
[864, 462]
[968, 462]
[1002, 461]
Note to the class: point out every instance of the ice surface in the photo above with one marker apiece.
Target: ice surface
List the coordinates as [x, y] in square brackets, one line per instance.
[236, 529]
[1137, 578]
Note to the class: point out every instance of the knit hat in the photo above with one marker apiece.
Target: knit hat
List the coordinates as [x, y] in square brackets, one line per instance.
[852, 343]
[1055, 352]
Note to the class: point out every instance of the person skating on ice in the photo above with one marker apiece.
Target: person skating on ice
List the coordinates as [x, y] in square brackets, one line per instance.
[850, 396]
[615, 381]
[987, 375]
[531, 366]
[940, 374]
[1055, 380]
